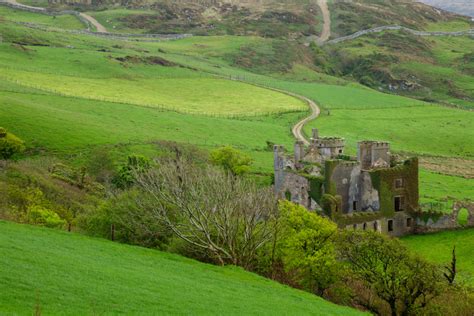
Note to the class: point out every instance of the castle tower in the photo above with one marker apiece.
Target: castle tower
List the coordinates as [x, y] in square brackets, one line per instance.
[373, 154]
[299, 151]
[279, 166]
[328, 147]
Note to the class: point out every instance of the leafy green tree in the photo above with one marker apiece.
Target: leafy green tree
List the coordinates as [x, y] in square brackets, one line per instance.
[10, 145]
[306, 247]
[126, 174]
[405, 282]
[231, 159]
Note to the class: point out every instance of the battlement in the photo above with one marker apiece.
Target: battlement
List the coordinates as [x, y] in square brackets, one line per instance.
[373, 154]
[328, 142]
[278, 148]
[375, 144]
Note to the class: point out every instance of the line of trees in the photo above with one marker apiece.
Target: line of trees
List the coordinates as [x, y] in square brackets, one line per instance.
[214, 214]
[209, 208]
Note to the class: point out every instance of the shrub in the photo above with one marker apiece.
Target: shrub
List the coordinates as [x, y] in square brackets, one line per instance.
[306, 248]
[126, 174]
[10, 145]
[402, 283]
[38, 215]
[231, 159]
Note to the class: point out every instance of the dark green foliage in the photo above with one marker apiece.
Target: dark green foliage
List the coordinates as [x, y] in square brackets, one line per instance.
[126, 174]
[331, 205]
[316, 187]
[10, 145]
[405, 283]
[231, 159]
[368, 70]
[451, 271]
[133, 222]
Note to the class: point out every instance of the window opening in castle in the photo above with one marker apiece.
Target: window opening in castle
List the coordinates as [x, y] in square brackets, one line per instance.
[375, 226]
[398, 183]
[365, 226]
[390, 225]
[409, 220]
[354, 206]
[399, 203]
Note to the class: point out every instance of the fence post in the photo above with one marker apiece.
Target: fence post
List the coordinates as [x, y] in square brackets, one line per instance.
[112, 232]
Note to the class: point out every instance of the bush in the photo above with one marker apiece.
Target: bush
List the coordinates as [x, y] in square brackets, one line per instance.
[10, 145]
[306, 248]
[126, 174]
[231, 159]
[38, 215]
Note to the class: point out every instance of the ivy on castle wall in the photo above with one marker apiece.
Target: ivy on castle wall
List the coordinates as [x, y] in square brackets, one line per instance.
[383, 180]
[329, 185]
[331, 205]
[316, 187]
[357, 218]
[429, 215]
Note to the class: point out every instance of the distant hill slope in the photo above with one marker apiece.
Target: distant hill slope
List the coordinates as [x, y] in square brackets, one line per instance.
[70, 274]
[465, 7]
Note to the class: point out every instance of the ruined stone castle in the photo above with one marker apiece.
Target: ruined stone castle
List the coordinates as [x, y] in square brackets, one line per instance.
[371, 191]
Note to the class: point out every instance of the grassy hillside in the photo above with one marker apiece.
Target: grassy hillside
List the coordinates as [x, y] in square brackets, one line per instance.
[351, 16]
[69, 274]
[61, 21]
[438, 248]
[132, 85]
[264, 18]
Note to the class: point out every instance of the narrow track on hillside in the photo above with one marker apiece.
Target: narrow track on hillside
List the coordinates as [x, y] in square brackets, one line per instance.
[326, 32]
[297, 129]
[99, 27]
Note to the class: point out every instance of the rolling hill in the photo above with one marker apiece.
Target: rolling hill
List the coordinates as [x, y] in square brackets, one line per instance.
[74, 96]
[59, 273]
[464, 7]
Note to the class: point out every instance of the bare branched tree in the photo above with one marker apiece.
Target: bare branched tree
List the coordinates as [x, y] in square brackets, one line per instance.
[229, 217]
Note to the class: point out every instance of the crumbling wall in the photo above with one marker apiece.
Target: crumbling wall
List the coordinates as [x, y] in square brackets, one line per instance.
[435, 221]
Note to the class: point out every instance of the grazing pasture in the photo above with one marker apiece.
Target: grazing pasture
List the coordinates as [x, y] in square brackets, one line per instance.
[91, 92]
[62, 273]
[438, 248]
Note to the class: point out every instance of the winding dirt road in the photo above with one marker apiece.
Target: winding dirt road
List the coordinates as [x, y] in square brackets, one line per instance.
[99, 27]
[326, 32]
[297, 129]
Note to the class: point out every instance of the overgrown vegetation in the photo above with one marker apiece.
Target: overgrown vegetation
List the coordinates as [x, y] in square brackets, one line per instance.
[93, 113]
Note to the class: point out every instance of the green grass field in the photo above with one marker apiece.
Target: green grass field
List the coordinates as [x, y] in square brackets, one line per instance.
[66, 82]
[438, 247]
[70, 274]
[209, 96]
[112, 19]
[61, 21]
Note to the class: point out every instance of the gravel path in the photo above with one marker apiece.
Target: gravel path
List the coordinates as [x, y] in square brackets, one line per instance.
[297, 129]
[100, 28]
[326, 32]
